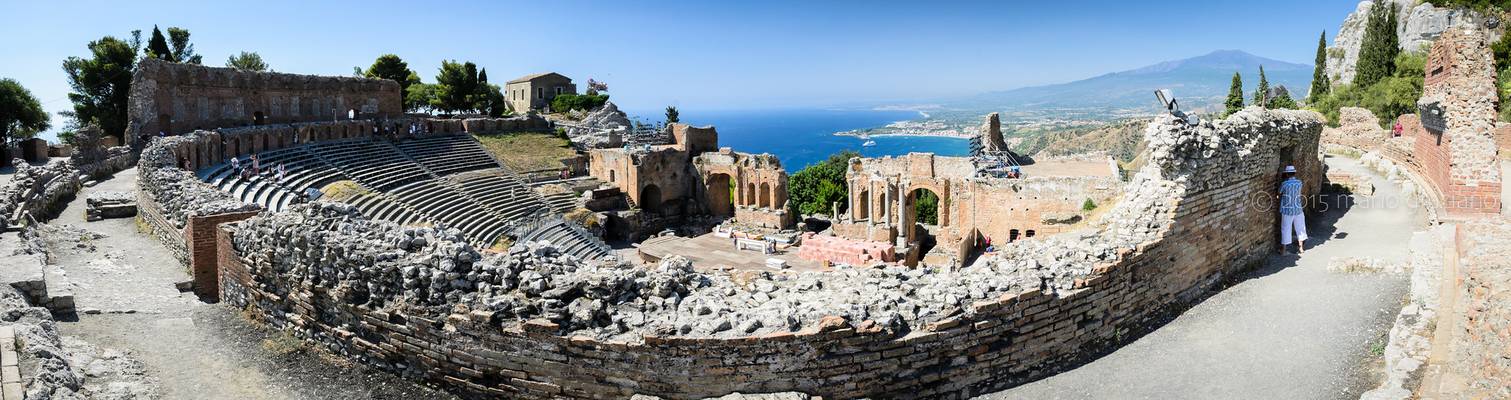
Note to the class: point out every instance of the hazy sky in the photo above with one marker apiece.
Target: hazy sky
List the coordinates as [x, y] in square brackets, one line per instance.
[697, 54]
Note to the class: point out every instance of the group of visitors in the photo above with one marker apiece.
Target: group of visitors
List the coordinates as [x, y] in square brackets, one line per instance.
[253, 167]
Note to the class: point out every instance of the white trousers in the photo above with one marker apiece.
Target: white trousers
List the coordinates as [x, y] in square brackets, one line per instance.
[1289, 223]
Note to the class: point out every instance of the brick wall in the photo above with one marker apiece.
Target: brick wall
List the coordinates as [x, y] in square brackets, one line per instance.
[167, 232]
[845, 251]
[199, 235]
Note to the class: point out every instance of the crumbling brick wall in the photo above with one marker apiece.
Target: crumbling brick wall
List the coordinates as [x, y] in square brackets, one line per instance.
[1197, 213]
[178, 98]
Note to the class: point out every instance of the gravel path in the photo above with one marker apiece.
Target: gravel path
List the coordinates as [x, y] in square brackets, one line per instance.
[1289, 330]
[124, 289]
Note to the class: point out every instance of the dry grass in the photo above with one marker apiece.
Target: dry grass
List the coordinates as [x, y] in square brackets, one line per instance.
[527, 151]
[344, 191]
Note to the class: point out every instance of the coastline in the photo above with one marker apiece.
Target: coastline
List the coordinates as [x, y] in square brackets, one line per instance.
[857, 134]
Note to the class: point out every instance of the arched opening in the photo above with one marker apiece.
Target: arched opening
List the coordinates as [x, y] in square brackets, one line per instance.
[921, 217]
[764, 199]
[863, 205]
[1012, 235]
[1029, 234]
[881, 212]
[750, 194]
[258, 118]
[650, 198]
[611, 176]
[351, 113]
[165, 124]
[719, 200]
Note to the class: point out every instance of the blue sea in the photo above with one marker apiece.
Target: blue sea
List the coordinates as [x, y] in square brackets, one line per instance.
[800, 137]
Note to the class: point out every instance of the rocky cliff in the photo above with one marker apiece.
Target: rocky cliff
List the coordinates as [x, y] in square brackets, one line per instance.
[1417, 24]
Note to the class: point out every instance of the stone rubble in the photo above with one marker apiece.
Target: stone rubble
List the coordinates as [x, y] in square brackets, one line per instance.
[109, 204]
[1410, 340]
[179, 193]
[602, 128]
[37, 190]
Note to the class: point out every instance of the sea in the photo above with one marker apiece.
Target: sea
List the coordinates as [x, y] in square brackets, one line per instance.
[800, 137]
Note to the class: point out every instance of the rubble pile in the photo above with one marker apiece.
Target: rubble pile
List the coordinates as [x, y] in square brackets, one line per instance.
[37, 190]
[602, 128]
[109, 204]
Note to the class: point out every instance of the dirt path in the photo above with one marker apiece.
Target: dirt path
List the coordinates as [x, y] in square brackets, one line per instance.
[124, 289]
[1289, 330]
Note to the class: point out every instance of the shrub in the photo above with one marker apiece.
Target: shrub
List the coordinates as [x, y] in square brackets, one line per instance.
[1088, 205]
[814, 188]
[569, 102]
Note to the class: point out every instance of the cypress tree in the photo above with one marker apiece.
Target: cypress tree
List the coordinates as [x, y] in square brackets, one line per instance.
[157, 47]
[1263, 90]
[1235, 96]
[1377, 54]
[1321, 85]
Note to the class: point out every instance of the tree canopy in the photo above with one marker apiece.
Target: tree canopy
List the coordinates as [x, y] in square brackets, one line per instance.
[568, 102]
[1387, 99]
[1321, 84]
[815, 188]
[1235, 96]
[101, 84]
[21, 115]
[390, 66]
[183, 51]
[1263, 89]
[247, 61]
[672, 116]
[456, 87]
[1377, 53]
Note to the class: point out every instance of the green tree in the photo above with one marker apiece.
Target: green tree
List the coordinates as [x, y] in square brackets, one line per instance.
[1235, 96]
[1282, 101]
[1387, 99]
[1263, 89]
[568, 102]
[183, 51]
[455, 87]
[157, 47]
[672, 116]
[247, 61]
[1377, 53]
[816, 187]
[101, 85]
[389, 66]
[1088, 205]
[21, 115]
[420, 97]
[926, 207]
[1320, 82]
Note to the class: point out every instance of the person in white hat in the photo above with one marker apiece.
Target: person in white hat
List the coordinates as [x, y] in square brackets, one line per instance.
[1292, 219]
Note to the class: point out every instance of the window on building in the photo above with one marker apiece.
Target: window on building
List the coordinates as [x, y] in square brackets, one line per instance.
[558, 90]
[540, 92]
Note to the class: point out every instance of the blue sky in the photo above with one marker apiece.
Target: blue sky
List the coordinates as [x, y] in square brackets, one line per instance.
[694, 54]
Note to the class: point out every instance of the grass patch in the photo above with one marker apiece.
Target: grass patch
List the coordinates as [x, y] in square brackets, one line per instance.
[501, 244]
[527, 151]
[344, 191]
[284, 344]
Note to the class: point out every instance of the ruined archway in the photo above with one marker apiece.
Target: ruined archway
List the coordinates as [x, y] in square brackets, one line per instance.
[650, 198]
[750, 194]
[719, 200]
[863, 205]
[922, 213]
[764, 199]
[258, 118]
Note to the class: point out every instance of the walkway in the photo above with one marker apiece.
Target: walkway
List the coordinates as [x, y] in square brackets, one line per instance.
[1289, 330]
[124, 290]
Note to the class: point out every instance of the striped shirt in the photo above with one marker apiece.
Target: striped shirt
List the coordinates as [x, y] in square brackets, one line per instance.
[1290, 197]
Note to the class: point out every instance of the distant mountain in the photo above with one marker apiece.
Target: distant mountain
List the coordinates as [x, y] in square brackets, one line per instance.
[1196, 81]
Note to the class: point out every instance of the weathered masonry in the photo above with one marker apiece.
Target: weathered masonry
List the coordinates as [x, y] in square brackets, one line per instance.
[1197, 212]
[170, 98]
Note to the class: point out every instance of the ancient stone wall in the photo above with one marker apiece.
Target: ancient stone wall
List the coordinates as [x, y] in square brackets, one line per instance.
[178, 98]
[750, 187]
[533, 324]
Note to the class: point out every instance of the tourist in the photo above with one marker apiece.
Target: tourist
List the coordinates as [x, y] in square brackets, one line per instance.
[236, 164]
[1291, 216]
[256, 164]
[281, 173]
